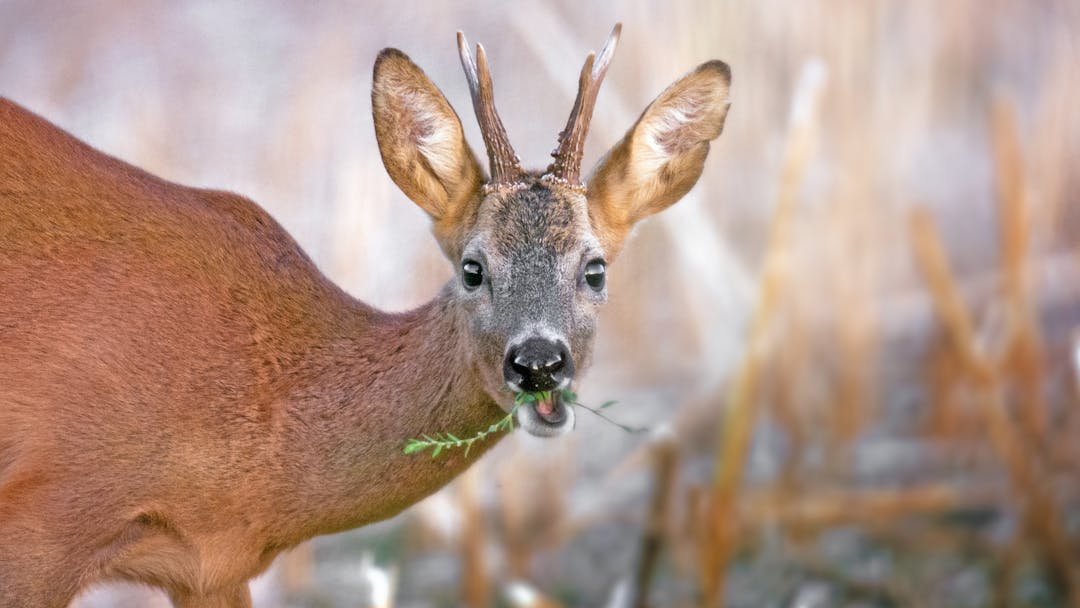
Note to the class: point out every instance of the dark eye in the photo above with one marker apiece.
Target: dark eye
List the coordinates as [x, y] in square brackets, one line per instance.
[594, 274]
[472, 274]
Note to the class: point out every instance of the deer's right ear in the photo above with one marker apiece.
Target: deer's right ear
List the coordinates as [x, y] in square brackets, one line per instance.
[421, 140]
[661, 157]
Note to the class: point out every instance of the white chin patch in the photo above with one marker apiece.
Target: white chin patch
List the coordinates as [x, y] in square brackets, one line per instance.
[530, 420]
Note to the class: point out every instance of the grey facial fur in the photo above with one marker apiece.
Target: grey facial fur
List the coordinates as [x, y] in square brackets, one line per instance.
[533, 243]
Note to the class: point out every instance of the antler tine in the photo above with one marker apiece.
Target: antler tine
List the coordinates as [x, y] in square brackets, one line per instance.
[468, 65]
[567, 163]
[504, 163]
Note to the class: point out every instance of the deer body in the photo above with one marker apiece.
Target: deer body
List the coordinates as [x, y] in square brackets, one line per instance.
[183, 394]
[161, 344]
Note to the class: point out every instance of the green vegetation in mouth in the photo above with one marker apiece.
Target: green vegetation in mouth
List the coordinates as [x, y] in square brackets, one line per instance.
[446, 441]
[440, 442]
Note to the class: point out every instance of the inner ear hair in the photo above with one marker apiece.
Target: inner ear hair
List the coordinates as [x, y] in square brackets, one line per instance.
[689, 113]
[661, 157]
[421, 139]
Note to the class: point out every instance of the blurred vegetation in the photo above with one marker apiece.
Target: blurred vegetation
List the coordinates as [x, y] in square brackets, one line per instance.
[856, 339]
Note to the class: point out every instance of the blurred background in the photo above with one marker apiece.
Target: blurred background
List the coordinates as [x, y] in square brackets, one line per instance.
[855, 343]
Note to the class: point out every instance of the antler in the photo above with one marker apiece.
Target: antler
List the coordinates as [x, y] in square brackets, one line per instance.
[504, 163]
[567, 164]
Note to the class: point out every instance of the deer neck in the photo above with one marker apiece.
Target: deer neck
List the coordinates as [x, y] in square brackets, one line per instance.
[382, 379]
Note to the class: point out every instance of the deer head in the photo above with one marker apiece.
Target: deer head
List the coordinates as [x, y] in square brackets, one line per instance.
[531, 248]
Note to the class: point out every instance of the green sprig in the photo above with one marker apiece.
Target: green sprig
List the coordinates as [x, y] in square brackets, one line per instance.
[440, 442]
[446, 441]
[571, 398]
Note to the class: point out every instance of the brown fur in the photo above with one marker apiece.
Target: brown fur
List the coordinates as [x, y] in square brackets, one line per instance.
[183, 394]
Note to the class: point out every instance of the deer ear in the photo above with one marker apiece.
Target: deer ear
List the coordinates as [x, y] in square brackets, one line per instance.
[421, 140]
[661, 157]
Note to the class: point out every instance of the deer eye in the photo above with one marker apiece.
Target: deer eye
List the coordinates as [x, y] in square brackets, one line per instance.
[594, 274]
[472, 274]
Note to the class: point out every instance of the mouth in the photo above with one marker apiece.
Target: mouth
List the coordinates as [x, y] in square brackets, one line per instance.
[545, 414]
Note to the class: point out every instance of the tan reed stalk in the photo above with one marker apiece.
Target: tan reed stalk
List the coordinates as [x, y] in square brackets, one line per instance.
[1023, 354]
[720, 536]
[872, 507]
[475, 582]
[1031, 492]
[665, 453]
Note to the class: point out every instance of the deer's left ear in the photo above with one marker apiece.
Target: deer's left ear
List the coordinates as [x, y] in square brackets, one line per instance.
[661, 157]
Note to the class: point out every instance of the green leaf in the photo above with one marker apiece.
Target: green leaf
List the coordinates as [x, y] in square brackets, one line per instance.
[443, 440]
[606, 404]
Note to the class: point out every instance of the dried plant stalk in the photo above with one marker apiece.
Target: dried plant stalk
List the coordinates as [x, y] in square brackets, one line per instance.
[857, 322]
[1035, 501]
[865, 507]
[533, 505]
[665, 460]
[1023, 352]
[719, 536]
[782, 394]
[475, 584]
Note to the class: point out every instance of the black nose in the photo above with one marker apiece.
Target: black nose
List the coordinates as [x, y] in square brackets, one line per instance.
[538, 365]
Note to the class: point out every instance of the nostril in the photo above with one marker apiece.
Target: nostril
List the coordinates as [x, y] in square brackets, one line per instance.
[536, 364]
[523, 364]
[554, 363]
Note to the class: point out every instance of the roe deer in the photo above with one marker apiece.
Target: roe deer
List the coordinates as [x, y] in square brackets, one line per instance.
[183, 395]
